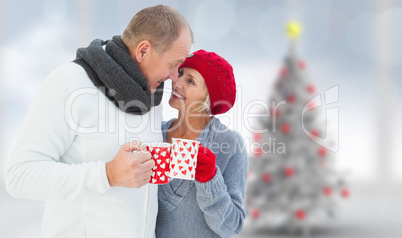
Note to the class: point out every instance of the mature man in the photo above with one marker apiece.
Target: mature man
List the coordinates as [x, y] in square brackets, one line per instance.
[77, 148]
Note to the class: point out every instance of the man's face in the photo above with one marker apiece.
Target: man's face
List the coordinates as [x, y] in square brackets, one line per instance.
[159, 68]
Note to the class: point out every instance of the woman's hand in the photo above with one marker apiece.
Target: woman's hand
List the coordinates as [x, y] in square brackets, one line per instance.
[205, 169]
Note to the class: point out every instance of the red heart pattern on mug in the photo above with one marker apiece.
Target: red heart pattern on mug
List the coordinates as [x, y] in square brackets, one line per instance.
[161, 155]
[176, 160]
[184, 158]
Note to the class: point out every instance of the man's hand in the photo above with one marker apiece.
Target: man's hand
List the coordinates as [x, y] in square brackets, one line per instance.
[130, 169]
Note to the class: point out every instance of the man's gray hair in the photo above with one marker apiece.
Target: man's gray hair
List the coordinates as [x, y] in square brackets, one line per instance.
[161, 25]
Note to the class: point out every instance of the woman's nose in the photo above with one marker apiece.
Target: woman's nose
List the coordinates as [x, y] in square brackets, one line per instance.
[178, 83]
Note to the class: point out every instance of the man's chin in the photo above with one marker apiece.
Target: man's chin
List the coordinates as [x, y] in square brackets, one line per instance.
[154, 87]
[152, 91]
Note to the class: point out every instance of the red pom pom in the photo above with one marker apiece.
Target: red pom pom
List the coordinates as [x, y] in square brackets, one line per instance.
[345, 193]
[322, 151]
[291, 98]
[285, 128]
[266, 178]
[311, 88]
[289, 172]
[300, 214]
[327, 191]
[255, 213]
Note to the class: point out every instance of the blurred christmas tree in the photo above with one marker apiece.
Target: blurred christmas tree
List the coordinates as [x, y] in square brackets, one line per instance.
[292, 181]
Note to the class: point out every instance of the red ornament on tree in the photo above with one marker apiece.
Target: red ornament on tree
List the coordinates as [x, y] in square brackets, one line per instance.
[302, 64]
[255, 213]
[289, 172]
[322, 151]
[327, 191]
[266, 178]
[300, 214]
[291, 98]
[315, 133]
[311, 105]
[283, 72]
[258, 152]
[257, 136]
[275, 112]
[311, 88]
[285, 128]
[345, 193]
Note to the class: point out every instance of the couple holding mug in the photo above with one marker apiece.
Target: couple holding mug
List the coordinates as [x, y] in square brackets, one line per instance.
[93, 186]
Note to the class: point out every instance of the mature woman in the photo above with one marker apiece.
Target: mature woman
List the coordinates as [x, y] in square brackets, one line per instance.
[212, 204]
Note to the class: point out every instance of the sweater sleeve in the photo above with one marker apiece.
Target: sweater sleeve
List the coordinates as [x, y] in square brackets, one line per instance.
[35, 170]
[222, 198]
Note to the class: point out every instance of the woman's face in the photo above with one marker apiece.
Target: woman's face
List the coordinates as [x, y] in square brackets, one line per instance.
[189, 91]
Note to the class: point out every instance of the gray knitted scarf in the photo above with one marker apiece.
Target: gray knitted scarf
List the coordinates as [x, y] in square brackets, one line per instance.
[118, 76]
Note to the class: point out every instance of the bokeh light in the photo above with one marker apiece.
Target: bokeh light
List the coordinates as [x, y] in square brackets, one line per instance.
[363, 34]
[214, 19]
[55, 10]
[246, 22]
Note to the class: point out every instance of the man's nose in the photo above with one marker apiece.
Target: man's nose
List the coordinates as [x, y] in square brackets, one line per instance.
[174, 74]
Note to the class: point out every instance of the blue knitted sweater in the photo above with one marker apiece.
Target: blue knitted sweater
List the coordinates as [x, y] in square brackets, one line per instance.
[212, 209]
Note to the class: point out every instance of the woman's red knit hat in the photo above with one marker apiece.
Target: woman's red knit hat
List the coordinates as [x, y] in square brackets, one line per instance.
[218, 76]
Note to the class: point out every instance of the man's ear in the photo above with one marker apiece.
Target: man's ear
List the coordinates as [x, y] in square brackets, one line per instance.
[143, 50]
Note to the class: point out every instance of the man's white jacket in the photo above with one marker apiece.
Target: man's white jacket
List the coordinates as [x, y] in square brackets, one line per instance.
[70, 132]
